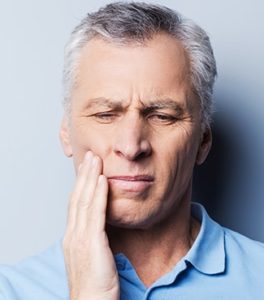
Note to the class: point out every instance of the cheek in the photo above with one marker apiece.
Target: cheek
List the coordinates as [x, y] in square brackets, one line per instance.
[179, 156]
[85, 139]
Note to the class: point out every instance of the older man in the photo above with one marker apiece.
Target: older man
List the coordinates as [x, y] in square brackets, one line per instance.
[138, 103]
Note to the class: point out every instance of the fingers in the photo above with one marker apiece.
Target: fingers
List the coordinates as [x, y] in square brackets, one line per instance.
[90, 177]
[100, 198]
[89, 198]
[89, 260]
[83, 171]
[83, 174]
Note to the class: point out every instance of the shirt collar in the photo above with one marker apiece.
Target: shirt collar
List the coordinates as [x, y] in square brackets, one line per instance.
[207, 253]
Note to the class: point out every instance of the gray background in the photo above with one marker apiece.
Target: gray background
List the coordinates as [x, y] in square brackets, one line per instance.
[36, 178]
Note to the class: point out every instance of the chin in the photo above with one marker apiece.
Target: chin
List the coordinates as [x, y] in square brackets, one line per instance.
[131, 214]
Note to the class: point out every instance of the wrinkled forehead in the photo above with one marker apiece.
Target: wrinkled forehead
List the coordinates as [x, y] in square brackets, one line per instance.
[157, 70]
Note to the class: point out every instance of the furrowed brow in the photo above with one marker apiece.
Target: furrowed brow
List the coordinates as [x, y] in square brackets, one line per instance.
[163, 104]
[103, 102]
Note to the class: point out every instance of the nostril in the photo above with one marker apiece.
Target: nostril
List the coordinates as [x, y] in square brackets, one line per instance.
[142, 155]
[134, 152]
[132, 139]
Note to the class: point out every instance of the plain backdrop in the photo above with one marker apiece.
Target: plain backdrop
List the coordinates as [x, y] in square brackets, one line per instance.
[36, 178]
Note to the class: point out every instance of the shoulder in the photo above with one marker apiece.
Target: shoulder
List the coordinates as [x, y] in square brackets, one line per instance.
[43, 275]
[244, 253]
[242, 244]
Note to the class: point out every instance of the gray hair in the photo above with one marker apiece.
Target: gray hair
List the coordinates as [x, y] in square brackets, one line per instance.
[136, 22]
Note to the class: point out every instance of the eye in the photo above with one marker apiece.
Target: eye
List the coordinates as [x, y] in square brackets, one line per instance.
[162, 118]
[105, 117]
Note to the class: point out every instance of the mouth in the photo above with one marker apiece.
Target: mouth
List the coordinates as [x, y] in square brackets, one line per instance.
[137, 183]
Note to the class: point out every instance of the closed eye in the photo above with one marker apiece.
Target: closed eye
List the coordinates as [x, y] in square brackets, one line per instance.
[162, 118]
[105, 117]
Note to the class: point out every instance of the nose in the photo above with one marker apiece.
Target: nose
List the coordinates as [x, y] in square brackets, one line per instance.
[132, 138]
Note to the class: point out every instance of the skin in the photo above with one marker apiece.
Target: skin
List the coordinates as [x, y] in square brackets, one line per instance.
[134, 113]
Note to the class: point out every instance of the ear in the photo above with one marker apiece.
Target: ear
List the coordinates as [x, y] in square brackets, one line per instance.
[65, 137]
[205, 145]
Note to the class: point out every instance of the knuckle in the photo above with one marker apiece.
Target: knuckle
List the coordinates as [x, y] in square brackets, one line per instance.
[84, 203]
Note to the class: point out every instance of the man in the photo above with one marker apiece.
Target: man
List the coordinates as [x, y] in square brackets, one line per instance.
[138, 104]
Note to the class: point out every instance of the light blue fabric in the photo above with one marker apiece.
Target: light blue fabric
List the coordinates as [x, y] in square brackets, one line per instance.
[221, 264]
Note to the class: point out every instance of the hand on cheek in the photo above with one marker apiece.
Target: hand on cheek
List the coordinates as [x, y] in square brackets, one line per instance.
[89, 261]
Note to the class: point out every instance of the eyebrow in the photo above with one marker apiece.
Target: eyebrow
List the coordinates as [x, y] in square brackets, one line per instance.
[101, 101]
[166, 103]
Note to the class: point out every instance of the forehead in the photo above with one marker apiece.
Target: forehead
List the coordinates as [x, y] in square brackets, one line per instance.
[159, 67]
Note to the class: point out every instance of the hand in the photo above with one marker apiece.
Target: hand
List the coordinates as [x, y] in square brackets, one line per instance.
[89, 260]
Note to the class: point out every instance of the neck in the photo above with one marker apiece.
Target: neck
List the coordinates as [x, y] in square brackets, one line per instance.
[155, 251]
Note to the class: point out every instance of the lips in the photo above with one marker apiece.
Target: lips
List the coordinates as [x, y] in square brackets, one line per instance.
[133, 178]
[136, 183]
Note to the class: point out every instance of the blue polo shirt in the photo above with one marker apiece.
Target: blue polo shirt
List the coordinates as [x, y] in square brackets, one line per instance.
[221, 264]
